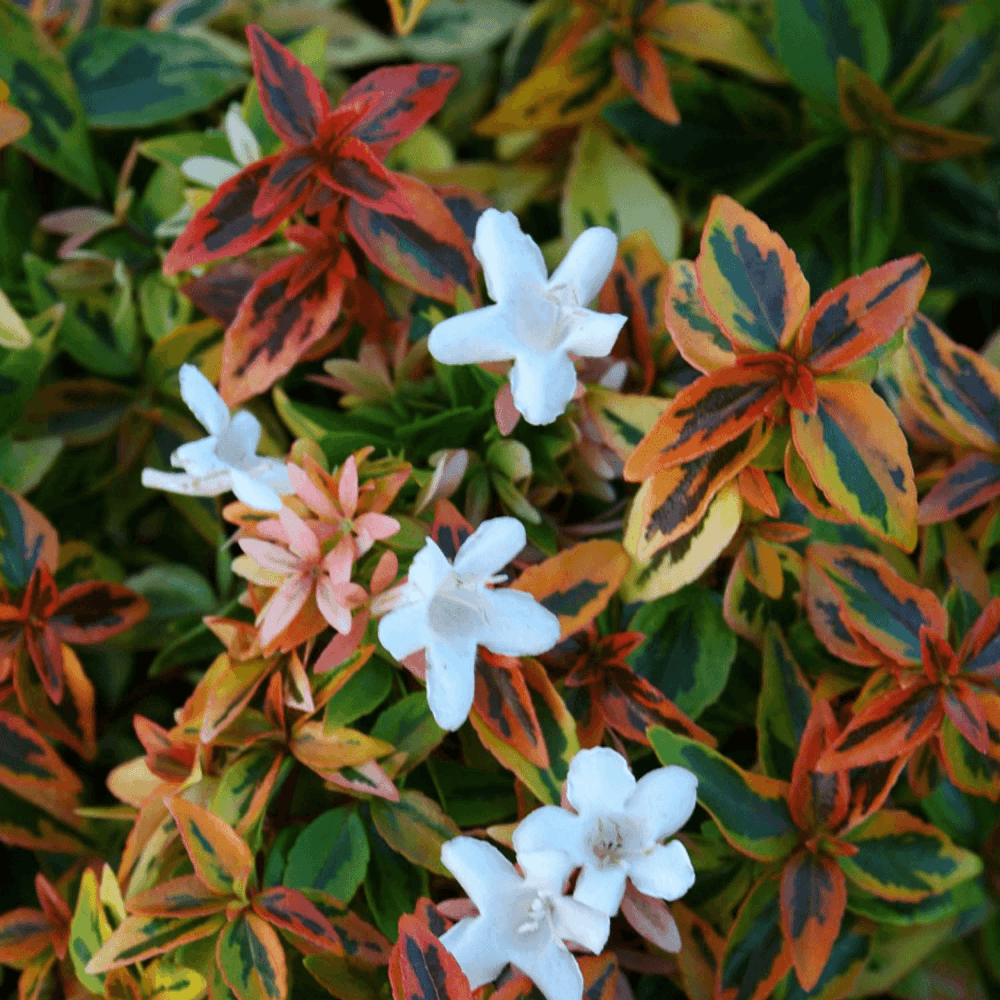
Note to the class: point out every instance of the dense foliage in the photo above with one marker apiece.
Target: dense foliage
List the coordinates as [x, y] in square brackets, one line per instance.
[746, 506]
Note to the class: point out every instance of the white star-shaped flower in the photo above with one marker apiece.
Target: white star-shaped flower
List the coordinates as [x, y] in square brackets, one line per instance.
[448, 609]
[538, 321]
[615, 832]
[523, 921]
[225, 460]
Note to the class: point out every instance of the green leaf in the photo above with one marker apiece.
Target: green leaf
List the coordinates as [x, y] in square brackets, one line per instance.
[965, 897]
[132, 77]
[784, 706]
[362, 693]
[24, 463]
[876, 195]
[689, 648]
[392, 884]
[85, 936]
[409, 726]
[450, 29]
[252, 959]
[41, 86]
[330, 854]
[415, 827]
[178, 597]
[472, 797]
[21, 370]
[751, 809]
[813, 34]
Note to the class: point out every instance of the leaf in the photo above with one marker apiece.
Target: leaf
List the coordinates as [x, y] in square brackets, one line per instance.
[138, 938]
[415, 827]
[813, 901]
[252, 960]
[862, 313]
[576, 584]
[968, 768]
[876, 200]
[756, 954]
[132, 77]
[409, 726]
[751, 809]
[421, 968]
[701, 951]
[344, 978]
[606, 187]
[651, 918]
[290, 911]
[697, 336]
[45, 825]
[903, 858]
[688, 650]
[327, 752]
[14, 332]
[783, 708]
[29, 766]
[970, 483]
[88, 931]
[220, 857]
[623, 419]
[848, 958]
[181, 897]
[231, 694]
[749, 280]
[811, 37]
[686, 558]
[330, 854]
[26, 537]
[356, 695]
[503, 705]
[41, 87]
[857, 455]
[93, 612]
[24, 934]
[640, 66]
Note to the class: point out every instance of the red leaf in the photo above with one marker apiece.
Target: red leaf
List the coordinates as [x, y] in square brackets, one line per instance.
[404, 98]
[94, 611]
[962, 705]
[293, 101]
[504, 705]
[816, 799]
[354, 170]
[640, 66]
[287, 180]
[421, 968]
[221, 291]
[450, 529]
[972, 481]
[289, 910]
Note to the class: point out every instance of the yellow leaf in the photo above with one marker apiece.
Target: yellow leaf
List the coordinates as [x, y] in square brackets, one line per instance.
[14, 332]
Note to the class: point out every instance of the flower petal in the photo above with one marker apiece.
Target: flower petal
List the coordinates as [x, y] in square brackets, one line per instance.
[210, 171]
[428, 569]
[285, 603]
[373, 528]
[273, 472]
[601, 888]
[485, 334]
[542, 385]
[330, 608]
[202, 400]
[665, 872]
[242, 140]
[271, 557]
[404, 631]
[553, 970]
[250, 569]
[473, 943]
[548, 867]
[347, 487]
[481, 870]
[253, 492]
[490, 547]
[549, 827]
[210, 484]
[339, 561]
[198, 457]
[512, 261]
[593, 334]
[516, 624]
[310, 494]
[451, 678]
[301, 539]
[663, 800]
[599, 781]
[238, 442]
[582, 924]
[588, 263]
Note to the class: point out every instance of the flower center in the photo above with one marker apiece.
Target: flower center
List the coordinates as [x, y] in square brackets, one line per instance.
[554, 324]
[532, 917]
[454, 609]
[612, 840]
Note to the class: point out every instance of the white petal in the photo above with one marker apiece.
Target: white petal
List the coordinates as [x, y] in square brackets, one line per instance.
[542, 385]
[404, 631]
[274, 472]
[211, 171]
[553, 970]
[490, 547]
[474, 944]
[198, 457]
[588, 263]
[546, 867]
[428, 569]
[238, 442]
[202, 400]
[593, 334]
[471, 337]
[242, 141]
[254, 493]
[481, 870]
[599, 781]
[663, 800]
[451, 678]
[581, 924]
[549, 827]
[516, 624]
[512, 261]
[209, 485]
[665, 872]
[601, 888]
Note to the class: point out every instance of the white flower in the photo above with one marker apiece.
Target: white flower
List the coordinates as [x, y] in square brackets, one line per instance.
[447, 609]
[616, 829]
[225, 460]
[538, 321]
[523, 921]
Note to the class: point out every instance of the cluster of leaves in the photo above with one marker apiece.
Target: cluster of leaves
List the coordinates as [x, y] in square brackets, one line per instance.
[768, 522]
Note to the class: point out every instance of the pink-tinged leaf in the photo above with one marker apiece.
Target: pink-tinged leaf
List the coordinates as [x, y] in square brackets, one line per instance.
[421, 968]
[185, 896]
[426, 250]
[749, 279]
[328, 753]
[402, 99]
[365, 779]
[862, 313]
[220, 857]
[980, 651]
[94, 611]
[651, 919]
[252, 960]
[641, 67]
[273, 329]
[227, 226]
[293, 100]
[288, 910]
